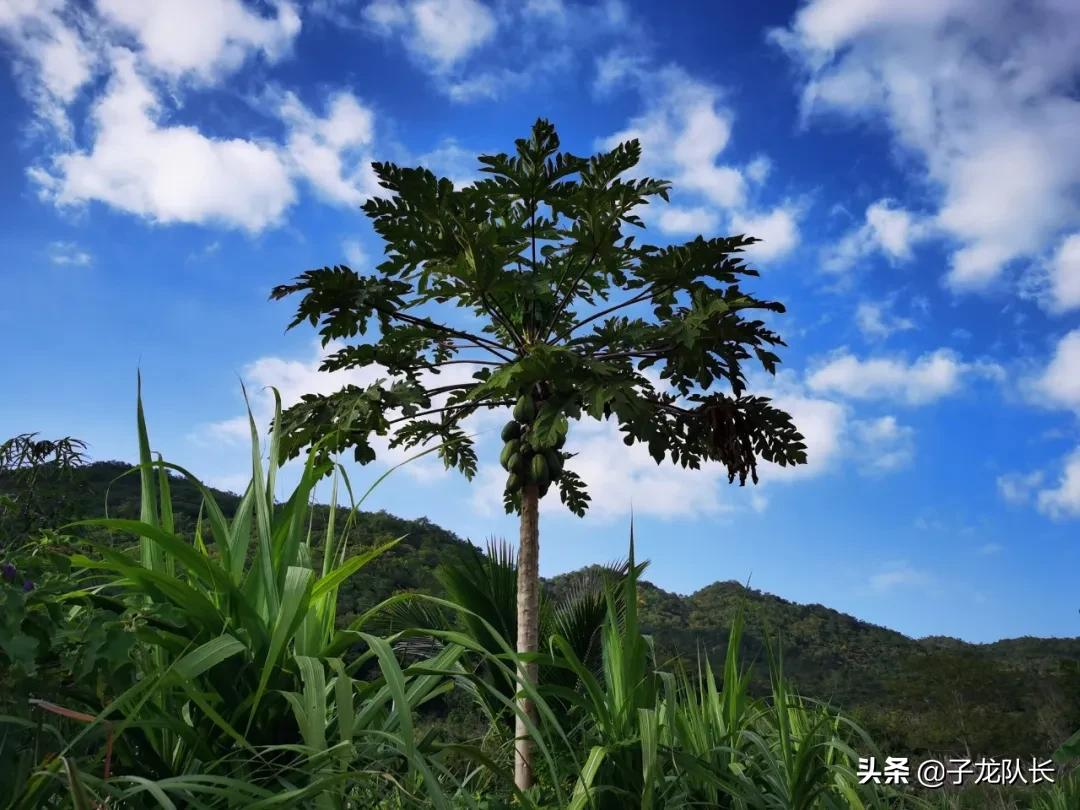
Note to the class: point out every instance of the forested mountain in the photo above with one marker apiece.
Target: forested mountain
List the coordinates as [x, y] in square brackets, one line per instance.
[1013, 697]
[915, 695]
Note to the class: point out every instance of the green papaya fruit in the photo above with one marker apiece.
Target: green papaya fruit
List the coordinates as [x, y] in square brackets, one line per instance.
[525, 409]
[508, 451]
[511, 430]
[515, 463]
[513, 483]
[560, 442]
[538, 469]
[554, 462]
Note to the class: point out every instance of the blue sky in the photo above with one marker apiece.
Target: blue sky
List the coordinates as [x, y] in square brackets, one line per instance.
[908, 165]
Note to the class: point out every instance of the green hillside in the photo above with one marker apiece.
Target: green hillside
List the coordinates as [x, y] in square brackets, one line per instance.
[936, 694]
[1013, 697]
[104, 488]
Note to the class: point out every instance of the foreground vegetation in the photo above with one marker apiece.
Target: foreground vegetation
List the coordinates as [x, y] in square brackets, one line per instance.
[936, 696]
[204, 663]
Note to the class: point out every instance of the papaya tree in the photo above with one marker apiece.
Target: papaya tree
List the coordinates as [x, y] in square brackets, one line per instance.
[529, 282]
[35, 485]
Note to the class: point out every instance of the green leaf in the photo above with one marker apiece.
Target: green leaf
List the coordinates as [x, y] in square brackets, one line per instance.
[207, 655]
[20, 649]
[583, 793]
[333, 580]
[294, 602]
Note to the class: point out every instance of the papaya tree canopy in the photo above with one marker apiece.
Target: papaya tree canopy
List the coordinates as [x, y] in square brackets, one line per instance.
[561, 313]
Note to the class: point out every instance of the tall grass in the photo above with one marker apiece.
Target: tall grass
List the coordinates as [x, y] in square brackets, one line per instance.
[247, 692]
[675, 739]
[620, 731]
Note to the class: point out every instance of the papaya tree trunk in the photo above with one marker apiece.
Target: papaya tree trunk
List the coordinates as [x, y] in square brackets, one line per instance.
[528, 617]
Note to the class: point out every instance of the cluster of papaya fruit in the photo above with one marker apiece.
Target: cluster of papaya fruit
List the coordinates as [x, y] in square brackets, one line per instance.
[524, 456]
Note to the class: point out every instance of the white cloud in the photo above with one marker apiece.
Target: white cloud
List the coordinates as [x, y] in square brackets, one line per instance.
[883, 444]
[449, 30]
[1018, 488]
[294, 378]
[167, 173]
[1063, 500]
[386, 15]
[140, 162]
[877, 322]
[1059, 383]
[451, 160]
[236, 483]
[778, 231]
[684, 131]
[441, 33]
[1057, 386]
[834, 435]
[52, 61]
[758, 169]
[497, 81]
[523, 44]
[690, 221]
[552, 10]
[898, 575]
[135, 155]
[823, 424]
[203, 38]
[930, 377]
[886, 229]
[616, 67]
[758, 502]
[236, 430]
[354, 254]
[69, 254]
[893, 229]
[331, 153]
[210, 249]
[487, 85]
[980, 92]
[1065, 275]
[1030, 169]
